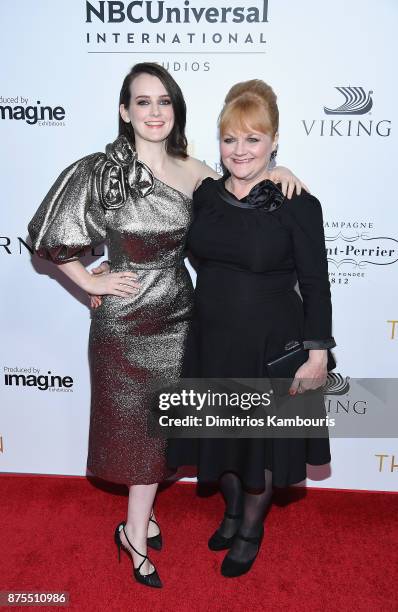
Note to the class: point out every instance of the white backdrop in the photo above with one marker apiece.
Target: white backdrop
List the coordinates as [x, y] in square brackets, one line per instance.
[67, 54]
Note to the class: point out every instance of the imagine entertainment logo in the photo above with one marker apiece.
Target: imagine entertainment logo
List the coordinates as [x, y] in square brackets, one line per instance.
[31, 377]
[18, 109]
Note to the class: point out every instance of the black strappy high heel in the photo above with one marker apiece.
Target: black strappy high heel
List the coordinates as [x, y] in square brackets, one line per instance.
[150, 580]
[156, 541]
[220, 542]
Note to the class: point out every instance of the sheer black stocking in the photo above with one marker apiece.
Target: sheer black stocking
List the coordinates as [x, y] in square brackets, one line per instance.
[231, 489]
[254, 510]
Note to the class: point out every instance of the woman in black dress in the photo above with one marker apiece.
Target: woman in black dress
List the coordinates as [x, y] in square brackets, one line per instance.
[253, 245]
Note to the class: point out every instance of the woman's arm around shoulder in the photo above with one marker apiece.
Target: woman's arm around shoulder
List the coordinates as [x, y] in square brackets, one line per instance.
[304, 215]
[304, 204]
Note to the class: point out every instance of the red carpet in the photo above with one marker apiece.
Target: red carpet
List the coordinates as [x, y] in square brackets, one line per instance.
[323, 550]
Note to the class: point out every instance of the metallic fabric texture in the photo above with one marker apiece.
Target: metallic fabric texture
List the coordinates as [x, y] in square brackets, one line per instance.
[136, 343]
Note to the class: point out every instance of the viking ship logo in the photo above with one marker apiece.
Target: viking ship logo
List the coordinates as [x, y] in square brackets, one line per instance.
[357, 102]
[336, 384]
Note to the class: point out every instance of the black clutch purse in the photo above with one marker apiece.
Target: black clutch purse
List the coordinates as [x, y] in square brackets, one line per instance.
[282, 369]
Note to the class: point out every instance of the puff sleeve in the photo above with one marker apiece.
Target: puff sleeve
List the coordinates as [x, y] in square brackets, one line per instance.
[70, 218]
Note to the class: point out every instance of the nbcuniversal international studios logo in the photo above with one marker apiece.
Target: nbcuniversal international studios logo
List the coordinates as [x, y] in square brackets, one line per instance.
[177, 25]
[353, 102]
[186, 11]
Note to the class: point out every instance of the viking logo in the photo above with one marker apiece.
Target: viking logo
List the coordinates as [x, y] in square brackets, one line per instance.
[356, 102]
[336, 384]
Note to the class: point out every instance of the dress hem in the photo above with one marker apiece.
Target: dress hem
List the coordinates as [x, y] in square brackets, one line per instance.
[137, 481]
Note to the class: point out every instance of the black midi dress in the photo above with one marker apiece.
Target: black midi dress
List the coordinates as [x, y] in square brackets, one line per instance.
[250, 255]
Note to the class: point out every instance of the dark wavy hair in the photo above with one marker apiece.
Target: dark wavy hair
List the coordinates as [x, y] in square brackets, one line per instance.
[176, 144]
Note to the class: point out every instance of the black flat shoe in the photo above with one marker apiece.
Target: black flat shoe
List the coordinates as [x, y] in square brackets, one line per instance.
[155, 542]
[220, 542]
[150, 580]
[231, 568]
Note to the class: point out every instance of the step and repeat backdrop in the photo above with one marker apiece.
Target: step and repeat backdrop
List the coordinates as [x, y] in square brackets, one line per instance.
[332, 65]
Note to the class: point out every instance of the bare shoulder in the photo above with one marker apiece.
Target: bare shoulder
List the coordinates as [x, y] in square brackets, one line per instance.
[198, 170]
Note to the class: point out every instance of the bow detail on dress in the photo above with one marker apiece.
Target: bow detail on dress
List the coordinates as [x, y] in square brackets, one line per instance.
[264, 196]
[120, 173]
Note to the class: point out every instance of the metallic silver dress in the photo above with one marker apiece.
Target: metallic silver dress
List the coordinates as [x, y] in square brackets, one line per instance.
[137, 341]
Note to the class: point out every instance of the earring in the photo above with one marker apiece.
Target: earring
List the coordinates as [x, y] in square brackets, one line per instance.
[274, 153]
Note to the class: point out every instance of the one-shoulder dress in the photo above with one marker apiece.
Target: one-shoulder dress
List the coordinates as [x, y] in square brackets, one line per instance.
[135, 342]
[250, 254]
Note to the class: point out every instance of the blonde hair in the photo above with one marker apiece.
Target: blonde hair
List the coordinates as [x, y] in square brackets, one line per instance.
[250, 105]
